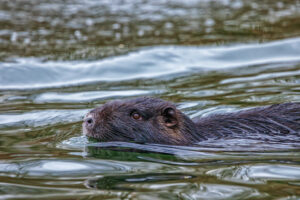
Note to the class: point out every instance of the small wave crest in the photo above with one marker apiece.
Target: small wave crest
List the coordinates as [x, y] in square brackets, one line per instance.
[146, 63]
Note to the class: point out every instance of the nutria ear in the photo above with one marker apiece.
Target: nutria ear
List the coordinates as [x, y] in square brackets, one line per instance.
[169, 117]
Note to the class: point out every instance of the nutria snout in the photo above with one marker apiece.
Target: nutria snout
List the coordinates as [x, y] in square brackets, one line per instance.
[153, 120]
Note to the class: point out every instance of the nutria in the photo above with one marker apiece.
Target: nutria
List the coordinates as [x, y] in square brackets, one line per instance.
[153, 120]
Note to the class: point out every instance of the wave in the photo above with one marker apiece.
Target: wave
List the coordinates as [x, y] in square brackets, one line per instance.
[146, 63]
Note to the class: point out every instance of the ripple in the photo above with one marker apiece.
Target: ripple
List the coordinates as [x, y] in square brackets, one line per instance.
[40, 118]
[185, 187]
[218, 191]
[259, 77]
[146, 63]
[21, 191]
[74, 143]
[86, 96]
[257, 173]
[58, 168]
[78, 168]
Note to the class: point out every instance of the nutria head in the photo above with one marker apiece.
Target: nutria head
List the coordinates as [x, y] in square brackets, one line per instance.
[142, 120]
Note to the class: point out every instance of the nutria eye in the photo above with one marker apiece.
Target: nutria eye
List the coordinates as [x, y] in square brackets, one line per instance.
[136, 116]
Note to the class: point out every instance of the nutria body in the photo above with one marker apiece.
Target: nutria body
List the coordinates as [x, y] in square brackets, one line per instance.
[152, 120]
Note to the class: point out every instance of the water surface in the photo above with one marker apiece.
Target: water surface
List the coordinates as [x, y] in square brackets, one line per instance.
[61, 59]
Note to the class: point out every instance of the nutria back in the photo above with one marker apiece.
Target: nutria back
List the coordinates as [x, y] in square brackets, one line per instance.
[275, 122]
[153, 120]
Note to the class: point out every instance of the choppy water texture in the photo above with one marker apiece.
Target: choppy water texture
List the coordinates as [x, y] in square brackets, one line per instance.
[59, 59]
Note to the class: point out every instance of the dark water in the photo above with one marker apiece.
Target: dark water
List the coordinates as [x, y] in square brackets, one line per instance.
[60, 59]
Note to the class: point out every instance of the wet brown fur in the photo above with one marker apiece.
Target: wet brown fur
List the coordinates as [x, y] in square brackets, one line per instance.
[113, 122]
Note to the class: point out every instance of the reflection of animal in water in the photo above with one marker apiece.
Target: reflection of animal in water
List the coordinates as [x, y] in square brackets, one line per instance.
[152, 120]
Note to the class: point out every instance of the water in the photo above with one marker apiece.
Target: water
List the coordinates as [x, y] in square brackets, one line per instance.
[61, 59]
